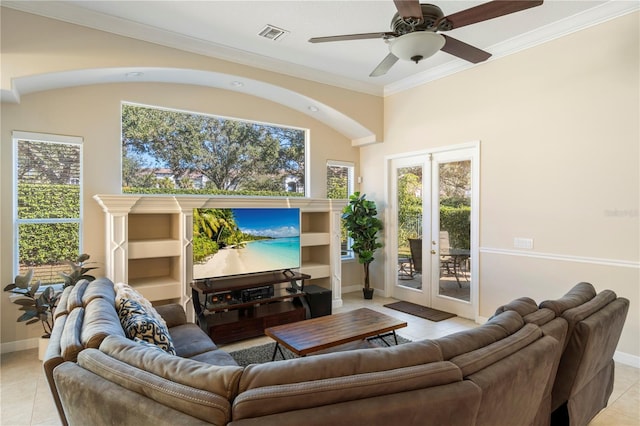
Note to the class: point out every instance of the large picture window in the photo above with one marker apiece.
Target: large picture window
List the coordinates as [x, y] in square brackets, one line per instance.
[47, 203]
[167, 151]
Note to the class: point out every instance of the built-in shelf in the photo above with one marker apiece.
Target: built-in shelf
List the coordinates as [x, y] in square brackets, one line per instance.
[316, 270]
[308, 239]
[154, 248]
[149, 241]
[158, 288]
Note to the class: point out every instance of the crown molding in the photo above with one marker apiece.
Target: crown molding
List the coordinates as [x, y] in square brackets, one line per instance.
[68, 12]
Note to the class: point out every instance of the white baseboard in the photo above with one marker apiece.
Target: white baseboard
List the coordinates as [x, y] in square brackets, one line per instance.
[19, 345]
[352, 288]
[627, 359]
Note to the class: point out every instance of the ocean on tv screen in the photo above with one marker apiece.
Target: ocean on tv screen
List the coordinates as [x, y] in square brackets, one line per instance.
[250, 240]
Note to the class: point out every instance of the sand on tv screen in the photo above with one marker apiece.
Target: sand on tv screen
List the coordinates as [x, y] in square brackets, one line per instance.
[242, 241]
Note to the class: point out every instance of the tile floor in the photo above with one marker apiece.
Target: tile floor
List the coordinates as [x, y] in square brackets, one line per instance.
[25, 397]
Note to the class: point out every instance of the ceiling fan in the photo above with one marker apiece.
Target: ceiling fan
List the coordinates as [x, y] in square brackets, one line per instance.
[415, 28]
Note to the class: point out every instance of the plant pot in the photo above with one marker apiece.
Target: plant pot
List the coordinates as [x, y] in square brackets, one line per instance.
[43, 344]
[367, 293]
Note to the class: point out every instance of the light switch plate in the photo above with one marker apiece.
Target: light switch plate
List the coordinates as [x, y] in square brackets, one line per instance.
[523, 243]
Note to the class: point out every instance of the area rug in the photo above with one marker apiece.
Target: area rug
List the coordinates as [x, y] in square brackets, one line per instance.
[263, 353]
[420, 311]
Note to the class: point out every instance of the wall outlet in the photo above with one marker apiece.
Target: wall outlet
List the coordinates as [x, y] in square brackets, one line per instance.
[523, 243]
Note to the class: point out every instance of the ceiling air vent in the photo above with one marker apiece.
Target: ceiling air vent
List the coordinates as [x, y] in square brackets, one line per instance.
[272, 33]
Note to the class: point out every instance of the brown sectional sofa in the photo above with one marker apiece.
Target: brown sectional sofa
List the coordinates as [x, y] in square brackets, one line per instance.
[505, 372]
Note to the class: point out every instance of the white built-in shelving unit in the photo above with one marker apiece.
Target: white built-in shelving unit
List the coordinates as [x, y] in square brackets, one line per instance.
[148, 241]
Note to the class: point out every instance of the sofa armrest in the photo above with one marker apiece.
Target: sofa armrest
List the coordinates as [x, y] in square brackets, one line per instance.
[173, 314]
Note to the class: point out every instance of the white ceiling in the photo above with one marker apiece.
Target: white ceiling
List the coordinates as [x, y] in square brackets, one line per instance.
[229, 30]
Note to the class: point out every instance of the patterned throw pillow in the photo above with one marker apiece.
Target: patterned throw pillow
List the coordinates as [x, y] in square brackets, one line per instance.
[147, 344]
[125, 292]
[138, 324]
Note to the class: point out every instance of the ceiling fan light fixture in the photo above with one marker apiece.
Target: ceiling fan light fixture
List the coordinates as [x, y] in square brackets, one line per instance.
[416, 46]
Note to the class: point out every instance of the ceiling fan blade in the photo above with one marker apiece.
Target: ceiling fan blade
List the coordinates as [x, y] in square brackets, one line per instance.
[346, 37]
[384, 66]
[463, 50]
[409, 8]
[487, 11]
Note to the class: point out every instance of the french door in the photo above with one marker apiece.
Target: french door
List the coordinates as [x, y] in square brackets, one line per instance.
[433, 223]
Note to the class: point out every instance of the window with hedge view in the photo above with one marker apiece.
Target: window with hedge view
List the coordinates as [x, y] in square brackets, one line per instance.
[340, 186]
[47, 194]
[176, 152]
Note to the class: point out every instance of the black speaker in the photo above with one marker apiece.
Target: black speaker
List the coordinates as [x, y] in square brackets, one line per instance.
[319, 300]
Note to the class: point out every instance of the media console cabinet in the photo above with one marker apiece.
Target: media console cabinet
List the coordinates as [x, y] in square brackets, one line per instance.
[236, 308]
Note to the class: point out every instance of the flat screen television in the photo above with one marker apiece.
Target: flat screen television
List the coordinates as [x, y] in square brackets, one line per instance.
[239, 241]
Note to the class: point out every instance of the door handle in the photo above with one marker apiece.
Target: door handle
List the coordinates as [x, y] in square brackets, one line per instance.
[433, 252]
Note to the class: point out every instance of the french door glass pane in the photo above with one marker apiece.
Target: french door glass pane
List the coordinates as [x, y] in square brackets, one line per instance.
[454, 196]
[410, 194]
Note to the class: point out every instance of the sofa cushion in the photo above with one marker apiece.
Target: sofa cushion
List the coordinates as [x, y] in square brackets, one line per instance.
[339, 364]
[99, 288]
[189, 340]
[70, 343]
[539, 317]
[599, 301]
[197, 402]
[100, 320]
[61, 308]
[478, 359]
[173, 314]
[74, 299]
[261, 401]
[137, 322]
[523, 305]
[91, 400]
[514, 388]
[497, 328]
[221, 380]
[215, 357]
[455, 404]
[579, 294]
[589, 350]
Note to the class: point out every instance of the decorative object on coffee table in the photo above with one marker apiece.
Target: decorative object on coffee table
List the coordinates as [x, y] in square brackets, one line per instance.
[363, 227]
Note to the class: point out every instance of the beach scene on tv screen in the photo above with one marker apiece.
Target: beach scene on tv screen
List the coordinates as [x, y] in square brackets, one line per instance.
[244, 241]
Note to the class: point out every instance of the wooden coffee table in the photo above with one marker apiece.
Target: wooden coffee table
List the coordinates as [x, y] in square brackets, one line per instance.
[305, 337]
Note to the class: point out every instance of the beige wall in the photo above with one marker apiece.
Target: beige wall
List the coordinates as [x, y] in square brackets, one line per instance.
[93, 112]
[558, 126]
[559, 132]
[33, 45]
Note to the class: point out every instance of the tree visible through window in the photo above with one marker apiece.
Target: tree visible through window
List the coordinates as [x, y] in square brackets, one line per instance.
[178, 152]
[48, 203]
[340, 186]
